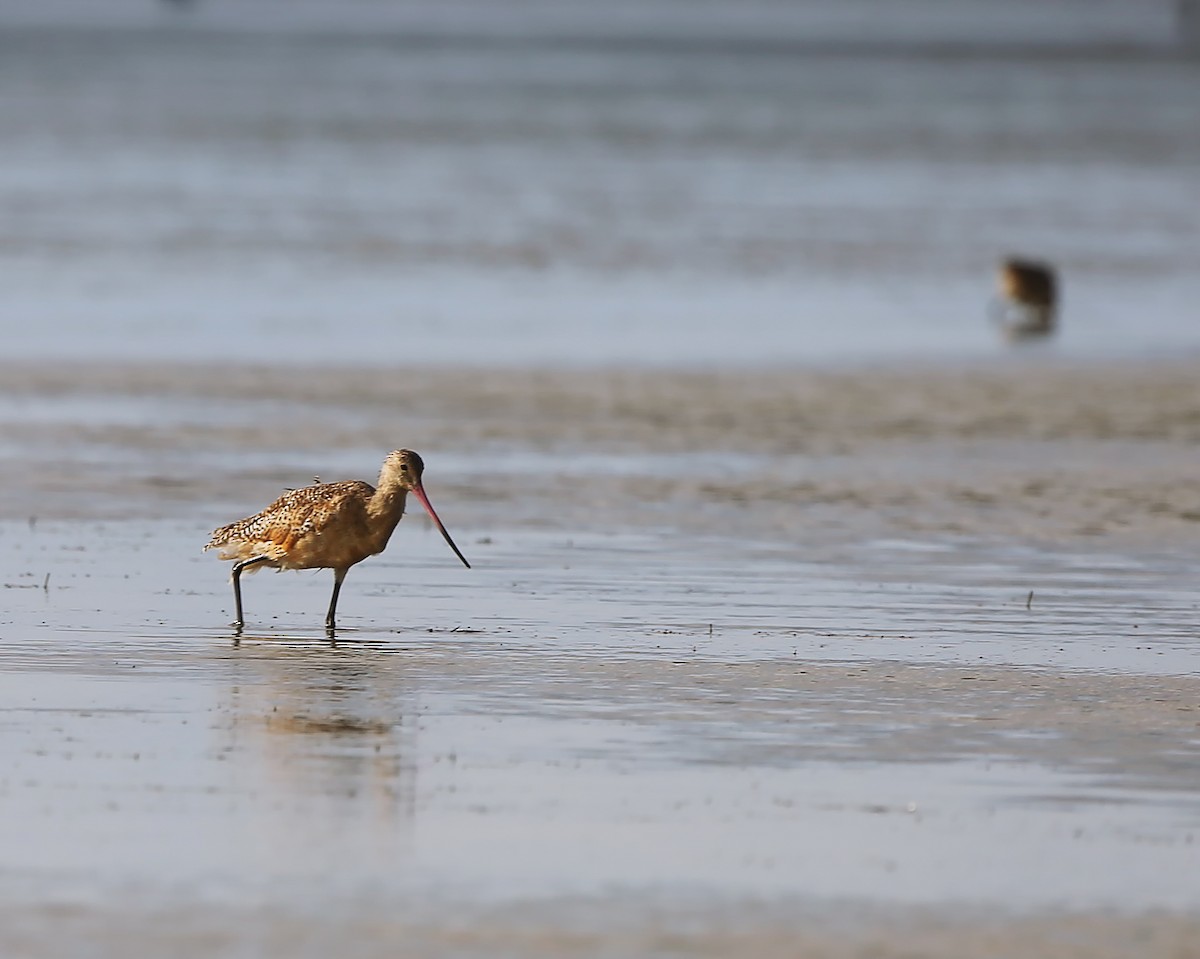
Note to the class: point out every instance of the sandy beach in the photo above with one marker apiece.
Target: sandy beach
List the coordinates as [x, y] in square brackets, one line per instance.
[806, 616]
[1035, 448]
[747, 663]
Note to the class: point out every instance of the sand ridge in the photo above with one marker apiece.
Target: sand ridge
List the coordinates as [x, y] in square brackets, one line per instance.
[1040, 450]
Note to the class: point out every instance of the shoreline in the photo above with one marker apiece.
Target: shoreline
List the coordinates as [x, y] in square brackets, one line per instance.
[1072, 454]
[588, 928]
[744, 663]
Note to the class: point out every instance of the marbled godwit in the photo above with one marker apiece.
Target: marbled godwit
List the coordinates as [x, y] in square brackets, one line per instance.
[327, 526]
[1029, 299]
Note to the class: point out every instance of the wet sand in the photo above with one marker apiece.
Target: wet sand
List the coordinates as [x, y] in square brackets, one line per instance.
[1032, 450]
[747, 664]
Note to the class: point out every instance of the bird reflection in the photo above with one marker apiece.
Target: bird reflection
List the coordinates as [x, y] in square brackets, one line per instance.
[323, 734]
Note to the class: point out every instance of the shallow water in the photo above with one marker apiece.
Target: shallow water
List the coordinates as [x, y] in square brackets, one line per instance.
[713, 685]
[770, 647]
[437, 186]
[729, 724]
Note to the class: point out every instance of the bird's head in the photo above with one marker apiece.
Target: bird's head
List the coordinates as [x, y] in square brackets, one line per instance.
[406, 468]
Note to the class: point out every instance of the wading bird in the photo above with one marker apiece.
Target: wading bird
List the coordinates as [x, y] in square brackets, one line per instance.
[1028, 304]
[326, 526]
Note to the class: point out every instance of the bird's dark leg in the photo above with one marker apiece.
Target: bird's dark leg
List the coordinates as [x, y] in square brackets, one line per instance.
[237, 585]
[338, 576]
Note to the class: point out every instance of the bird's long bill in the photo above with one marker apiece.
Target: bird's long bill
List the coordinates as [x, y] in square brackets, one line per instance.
[420, 494]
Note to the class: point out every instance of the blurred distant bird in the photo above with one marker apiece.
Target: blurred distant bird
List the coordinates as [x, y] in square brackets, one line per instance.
[327, 526]
[1028, 304]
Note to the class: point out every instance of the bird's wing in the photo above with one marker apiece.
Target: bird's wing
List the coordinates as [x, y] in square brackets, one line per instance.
[299, 514]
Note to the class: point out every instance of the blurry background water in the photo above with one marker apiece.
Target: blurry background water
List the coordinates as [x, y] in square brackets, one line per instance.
[554, 181]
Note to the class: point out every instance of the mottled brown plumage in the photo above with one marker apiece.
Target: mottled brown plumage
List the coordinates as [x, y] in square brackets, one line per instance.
[326, 526]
